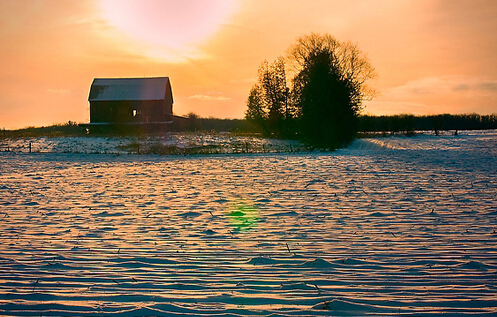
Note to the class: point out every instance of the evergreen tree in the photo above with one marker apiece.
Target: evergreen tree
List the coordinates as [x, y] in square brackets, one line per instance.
[328, 89]
[267, 100]
[327, 119]
[255, 108]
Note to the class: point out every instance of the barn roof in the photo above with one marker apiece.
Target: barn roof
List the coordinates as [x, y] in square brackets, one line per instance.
[114, 89]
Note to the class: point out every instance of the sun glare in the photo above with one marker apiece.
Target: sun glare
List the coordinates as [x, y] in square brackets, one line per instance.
[167, 29]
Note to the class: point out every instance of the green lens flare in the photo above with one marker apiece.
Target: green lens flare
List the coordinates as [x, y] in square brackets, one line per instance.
[243, 216]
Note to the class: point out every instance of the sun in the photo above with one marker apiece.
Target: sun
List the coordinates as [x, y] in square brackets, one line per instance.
[167, 29]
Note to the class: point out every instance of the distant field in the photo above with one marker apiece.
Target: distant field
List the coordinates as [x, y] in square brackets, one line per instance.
[174, 143]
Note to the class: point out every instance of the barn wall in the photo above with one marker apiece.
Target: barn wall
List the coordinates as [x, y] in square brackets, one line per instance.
[122, 111]
[168, 104]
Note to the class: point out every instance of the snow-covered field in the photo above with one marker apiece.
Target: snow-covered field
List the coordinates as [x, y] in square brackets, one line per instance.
[387, 226]
[170, 143]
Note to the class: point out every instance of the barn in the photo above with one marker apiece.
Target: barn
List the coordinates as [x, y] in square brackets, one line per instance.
[131, 100]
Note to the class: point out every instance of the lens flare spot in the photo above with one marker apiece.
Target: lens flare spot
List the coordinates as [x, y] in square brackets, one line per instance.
[243, 216]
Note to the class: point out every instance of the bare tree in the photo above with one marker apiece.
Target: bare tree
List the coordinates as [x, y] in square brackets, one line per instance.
[347, 60]
[329, 88]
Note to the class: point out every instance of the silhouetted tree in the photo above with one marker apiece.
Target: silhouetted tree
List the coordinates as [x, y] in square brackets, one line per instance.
[192, 121]
[268, 99]
[327, 94]
[346, 58]
[329, 88]
[328, 119]
[255, 108]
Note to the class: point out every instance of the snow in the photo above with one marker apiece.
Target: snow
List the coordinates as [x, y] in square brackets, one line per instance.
[387, 226]
[215, 143]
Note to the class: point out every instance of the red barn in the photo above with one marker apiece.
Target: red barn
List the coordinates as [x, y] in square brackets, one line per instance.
[131, 100]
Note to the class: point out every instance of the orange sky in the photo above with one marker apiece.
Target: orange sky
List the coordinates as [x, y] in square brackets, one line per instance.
[431, 56]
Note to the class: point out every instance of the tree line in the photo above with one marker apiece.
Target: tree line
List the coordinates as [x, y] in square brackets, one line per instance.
[319, 98]
[365, 123]
[410, 123]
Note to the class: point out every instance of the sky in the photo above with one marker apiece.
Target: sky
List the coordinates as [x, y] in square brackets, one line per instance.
[431, 56]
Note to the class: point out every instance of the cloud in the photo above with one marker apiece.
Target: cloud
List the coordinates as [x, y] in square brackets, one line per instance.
[442, 85]
[443, 94]
[209, 97]
[488, 86]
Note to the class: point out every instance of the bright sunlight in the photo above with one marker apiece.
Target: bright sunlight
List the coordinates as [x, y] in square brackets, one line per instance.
[167, 29]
